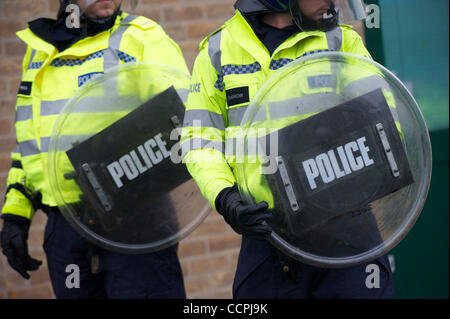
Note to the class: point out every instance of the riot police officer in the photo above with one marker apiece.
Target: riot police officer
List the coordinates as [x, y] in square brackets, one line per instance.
[233, 63]
[59, 59]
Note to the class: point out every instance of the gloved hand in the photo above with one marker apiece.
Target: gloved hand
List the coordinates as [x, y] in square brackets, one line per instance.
[244, 219]
[13, 238]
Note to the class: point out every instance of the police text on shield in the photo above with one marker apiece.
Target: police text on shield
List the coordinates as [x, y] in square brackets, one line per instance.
[329, 168]
[152, 152]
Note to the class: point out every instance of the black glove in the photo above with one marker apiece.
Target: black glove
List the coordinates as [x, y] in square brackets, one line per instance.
[248, 220]
[14, 237]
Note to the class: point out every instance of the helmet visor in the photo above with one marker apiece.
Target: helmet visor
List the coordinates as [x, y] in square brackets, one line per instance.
[277, 5]
[350, 11]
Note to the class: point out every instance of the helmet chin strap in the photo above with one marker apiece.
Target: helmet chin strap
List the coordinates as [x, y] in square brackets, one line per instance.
[307, 24]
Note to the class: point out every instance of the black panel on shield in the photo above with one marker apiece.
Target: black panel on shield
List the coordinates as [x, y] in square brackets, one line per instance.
[339, 161]
[125, 173]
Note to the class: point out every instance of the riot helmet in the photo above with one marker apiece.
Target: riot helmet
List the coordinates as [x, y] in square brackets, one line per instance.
[334, 12]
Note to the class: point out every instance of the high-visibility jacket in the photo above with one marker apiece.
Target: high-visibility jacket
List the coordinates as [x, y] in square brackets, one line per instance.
[232, 65]
[50, 78]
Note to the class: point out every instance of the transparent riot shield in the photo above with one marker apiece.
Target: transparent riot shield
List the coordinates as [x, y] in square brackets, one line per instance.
[110, 161]
[338, 148]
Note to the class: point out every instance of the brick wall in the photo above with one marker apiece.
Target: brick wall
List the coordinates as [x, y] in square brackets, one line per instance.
[208, 255]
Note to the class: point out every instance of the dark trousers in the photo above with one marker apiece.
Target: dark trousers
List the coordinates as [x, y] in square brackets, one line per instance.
[261, 273]
[125, 276]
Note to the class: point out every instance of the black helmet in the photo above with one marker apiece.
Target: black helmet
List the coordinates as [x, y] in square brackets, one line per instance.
[331, 20]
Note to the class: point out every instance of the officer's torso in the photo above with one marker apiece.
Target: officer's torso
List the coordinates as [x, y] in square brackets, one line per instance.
[244, 64]
[49, 80]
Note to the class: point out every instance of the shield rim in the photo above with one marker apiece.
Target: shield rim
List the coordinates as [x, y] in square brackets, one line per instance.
[66, 212]
[423, 189]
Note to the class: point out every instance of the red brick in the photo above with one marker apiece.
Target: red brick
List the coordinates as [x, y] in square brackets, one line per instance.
[2, 187]
[4, 267]
[39, 219]
[7, 145]
[13, 84]
[5, 128]
[191, 248]
[5, 161]
[40, 276]
[195, 284]
[208, 227]
[209, 264]
[37, 252]
[54, 6]
[182, 13]
[15, 48]
[176, 32]
[223, 11]
[2, 281]
[8, 29]
[222, 293]
[3, 86]
[35, 292]
[151, 13]
[201, 29]
[22, 10]
[11, 66]
[232, 241]
[7, 108]
[185, 267]
[36, 236]
[12, 279]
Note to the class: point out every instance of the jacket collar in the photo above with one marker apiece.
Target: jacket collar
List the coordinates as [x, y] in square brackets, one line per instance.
[82, 47]
[242, 33]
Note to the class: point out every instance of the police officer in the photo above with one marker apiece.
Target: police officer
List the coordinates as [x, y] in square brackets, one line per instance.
[60, 58]
[232, 65]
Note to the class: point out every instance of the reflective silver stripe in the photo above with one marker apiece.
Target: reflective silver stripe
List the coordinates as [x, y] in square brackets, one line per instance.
[104, 104]
[33, 53]
[297, 106]
[183, 93]
[203, 118]
[367, 85]
[28, 148]
[334, 39]
[52, 107]
[65, 142]
[111, 55]
[237, 146]
[45, 143]
[215, 54]
[306, 105]
[236, 115]
[24, 113]
[16, 149]
[199, 143]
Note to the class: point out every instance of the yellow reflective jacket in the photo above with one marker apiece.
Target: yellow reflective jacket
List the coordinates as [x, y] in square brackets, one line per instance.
[232, 65]
[50, 78]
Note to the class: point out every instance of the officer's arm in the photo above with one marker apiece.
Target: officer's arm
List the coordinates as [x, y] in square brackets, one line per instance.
[204, 131]
[18, 198]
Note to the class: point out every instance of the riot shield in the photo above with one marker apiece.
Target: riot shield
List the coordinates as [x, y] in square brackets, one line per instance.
[110, 163]
[338, 148]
